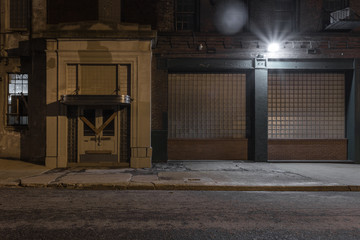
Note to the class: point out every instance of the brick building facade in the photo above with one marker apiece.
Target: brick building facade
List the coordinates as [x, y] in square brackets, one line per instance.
[299, 103]
[75, 84]
[126, 82]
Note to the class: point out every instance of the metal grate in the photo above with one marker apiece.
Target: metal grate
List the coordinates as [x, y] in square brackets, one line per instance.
[207, 106]
[306, 106]
[72, 133]
[125, 134]
[124, 79]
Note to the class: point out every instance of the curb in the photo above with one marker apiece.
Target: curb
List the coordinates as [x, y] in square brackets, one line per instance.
[186, 187]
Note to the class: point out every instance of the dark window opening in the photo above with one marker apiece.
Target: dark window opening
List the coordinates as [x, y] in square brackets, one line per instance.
[89, 114]
[109, 130]
[63, 11]
[186, 15]
[274, 15]
[139, 11]
[19, 13]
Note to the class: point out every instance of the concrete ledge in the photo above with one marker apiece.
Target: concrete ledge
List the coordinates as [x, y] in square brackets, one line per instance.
[256, 188]
[183, 187]
[10, 184]
[140, 186]
[84, 186]
[140, 162]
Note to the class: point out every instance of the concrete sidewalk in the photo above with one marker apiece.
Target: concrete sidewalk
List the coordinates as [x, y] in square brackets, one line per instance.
[189, 175]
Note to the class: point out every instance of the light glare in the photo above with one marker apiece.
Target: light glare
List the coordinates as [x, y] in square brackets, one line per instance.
[273, 47]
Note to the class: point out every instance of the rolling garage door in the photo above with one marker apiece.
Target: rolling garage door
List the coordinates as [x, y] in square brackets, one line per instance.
[306, 118]
[207, 116]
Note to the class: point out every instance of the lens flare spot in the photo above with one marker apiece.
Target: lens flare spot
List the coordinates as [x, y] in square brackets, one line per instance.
[230, 17]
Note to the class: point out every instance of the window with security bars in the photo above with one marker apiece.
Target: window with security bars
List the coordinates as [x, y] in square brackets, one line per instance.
[17, 110]
[185, 15]
[306, 106]
[19, 13]
[207, 106]
[329, 6]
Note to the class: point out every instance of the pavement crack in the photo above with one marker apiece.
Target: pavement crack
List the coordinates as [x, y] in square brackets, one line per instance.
[58, 179]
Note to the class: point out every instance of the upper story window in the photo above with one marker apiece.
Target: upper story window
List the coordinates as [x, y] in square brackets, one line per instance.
[273, 15]
[67, 11]
[186, 15]
[17, 107]
[330, 6]
[19, 14]
[64, 11]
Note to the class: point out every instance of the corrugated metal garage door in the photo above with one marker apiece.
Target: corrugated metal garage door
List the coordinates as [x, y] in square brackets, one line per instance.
[207, 116]
[306, 116]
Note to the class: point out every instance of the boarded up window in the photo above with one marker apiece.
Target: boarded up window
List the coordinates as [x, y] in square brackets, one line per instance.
[306, 106]
[97, 79]
[19, 13]
[207, 106]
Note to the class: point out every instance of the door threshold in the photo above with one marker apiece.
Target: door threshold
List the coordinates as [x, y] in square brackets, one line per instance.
[100, 164]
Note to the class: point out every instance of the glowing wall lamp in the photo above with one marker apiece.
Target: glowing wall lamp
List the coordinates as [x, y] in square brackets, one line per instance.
[273, 47]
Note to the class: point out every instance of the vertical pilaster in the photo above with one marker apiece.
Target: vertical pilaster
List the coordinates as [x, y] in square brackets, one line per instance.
[261, 115]
[353, 115]
[51, 159]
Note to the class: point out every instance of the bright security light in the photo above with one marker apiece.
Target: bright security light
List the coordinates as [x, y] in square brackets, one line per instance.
[273, 47]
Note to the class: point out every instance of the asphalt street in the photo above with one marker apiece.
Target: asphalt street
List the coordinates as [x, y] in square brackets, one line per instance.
[35, 213]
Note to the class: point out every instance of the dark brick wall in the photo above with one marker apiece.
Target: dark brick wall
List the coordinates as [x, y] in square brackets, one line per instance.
[165, 18]
[159, 91]
[160, 14]
[355, 5]
[310, 19]
[206, 21]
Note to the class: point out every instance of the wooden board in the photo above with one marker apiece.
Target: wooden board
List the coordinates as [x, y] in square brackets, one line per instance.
[307, 149]
[207, 149]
